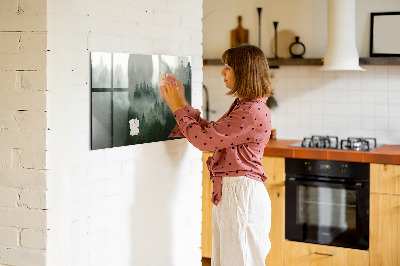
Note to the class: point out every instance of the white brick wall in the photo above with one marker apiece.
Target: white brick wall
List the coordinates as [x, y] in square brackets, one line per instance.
[136, 205]
[23, 132]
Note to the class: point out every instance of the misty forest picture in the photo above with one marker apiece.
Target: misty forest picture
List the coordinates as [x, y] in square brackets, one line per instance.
[127, 106]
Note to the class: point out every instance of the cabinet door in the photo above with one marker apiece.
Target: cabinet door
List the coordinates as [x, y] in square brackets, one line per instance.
[206, 226]
[385, 178]
[304, 254]
[384, 230]
[277, 233]
[274, 168]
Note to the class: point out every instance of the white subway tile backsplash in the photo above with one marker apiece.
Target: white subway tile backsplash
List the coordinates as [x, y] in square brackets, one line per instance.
[394, 82]
[293, 120]
[348, 103]
[317, 120]
[304, 72]
[329, 93]
[329, 109]
[380, 71]
[342, 109]
[342, 96]
[316, 82]
[367, 133]
[342, 122]
[381, 97]
[367, 96]
[394, 71]
[381, 110]
[355, 122]
[304, 95]
[367, 110]
[394, 123]
[355, 132]
[328, 74]
[315, 71]
[292, 83]
[368, 122]
[342, 81]
[342, 133]
[304, 82]
[382, 136]
[394, 110]
[369, 71]
[381, 84]
[394, 97]
[329, 123]
[355, 96]
[382, 123]
[291, 71]
[394, 137]
[354, 80]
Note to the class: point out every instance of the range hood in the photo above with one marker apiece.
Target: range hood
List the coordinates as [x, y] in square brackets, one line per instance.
[341, 51]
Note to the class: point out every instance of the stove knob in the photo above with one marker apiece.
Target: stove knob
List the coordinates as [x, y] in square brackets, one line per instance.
[308, 166]
[343, 168]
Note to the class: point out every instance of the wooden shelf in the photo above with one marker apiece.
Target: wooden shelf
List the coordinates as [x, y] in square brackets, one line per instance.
[380, 61]
[274, 63]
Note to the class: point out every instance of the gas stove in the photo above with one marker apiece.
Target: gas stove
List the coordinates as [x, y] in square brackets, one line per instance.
[332, 142]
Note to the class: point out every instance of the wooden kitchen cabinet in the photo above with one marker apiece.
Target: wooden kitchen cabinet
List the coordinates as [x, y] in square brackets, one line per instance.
[384, 236]
[277, 233]
[305, 254]
[385, 178]
[385, 215]
[274, 168]
[206, 225]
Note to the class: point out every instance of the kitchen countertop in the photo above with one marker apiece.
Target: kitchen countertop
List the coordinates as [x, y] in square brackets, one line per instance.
[389, 154]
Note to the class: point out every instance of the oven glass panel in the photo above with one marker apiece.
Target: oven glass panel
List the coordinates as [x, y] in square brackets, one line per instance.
[326, 207]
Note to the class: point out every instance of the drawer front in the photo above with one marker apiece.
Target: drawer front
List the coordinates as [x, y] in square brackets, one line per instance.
[297, 254]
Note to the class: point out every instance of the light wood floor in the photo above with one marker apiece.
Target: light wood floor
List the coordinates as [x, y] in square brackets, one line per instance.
[206, 261]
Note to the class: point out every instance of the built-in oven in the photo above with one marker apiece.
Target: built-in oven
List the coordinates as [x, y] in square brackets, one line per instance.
[327, 202]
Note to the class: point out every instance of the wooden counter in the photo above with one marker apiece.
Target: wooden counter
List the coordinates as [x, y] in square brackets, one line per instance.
[387, 154]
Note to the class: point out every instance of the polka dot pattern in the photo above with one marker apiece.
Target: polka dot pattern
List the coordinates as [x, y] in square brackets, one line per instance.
[238, 139]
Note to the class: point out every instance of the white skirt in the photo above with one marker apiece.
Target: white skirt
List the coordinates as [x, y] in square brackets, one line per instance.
[241, 223]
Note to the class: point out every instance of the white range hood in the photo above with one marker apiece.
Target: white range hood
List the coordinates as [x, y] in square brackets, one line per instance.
[341, 51]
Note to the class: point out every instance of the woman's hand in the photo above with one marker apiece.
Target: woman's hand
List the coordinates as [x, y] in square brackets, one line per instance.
[181, 93]
[172, 94]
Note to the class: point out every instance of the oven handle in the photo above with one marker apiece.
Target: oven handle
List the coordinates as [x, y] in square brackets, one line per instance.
[357, 185]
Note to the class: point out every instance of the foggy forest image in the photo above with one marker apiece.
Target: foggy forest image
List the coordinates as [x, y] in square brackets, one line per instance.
[126, 108]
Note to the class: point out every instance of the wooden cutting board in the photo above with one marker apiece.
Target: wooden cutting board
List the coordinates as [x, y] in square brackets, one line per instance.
[239, 35]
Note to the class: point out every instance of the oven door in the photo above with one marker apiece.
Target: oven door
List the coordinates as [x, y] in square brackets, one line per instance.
[327, 213]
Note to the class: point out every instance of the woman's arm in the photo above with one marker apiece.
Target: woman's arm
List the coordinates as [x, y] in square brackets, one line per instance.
[239, 127]
[174, 93]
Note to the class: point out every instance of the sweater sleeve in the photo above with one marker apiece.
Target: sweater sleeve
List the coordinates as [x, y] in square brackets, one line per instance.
[193, 113]
[229, 131]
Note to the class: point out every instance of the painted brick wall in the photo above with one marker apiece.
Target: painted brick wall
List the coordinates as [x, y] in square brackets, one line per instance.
[136, 205]
[23, 133]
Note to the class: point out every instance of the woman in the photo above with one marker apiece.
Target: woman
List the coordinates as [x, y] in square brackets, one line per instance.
[242, 208]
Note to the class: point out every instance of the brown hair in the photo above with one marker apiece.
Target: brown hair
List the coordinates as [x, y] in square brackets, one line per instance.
[250, 66]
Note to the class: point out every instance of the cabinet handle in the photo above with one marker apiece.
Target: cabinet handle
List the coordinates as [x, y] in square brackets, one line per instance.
[324, 254]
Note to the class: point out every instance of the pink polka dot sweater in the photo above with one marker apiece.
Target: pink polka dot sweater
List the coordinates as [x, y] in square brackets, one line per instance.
[238, 139]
